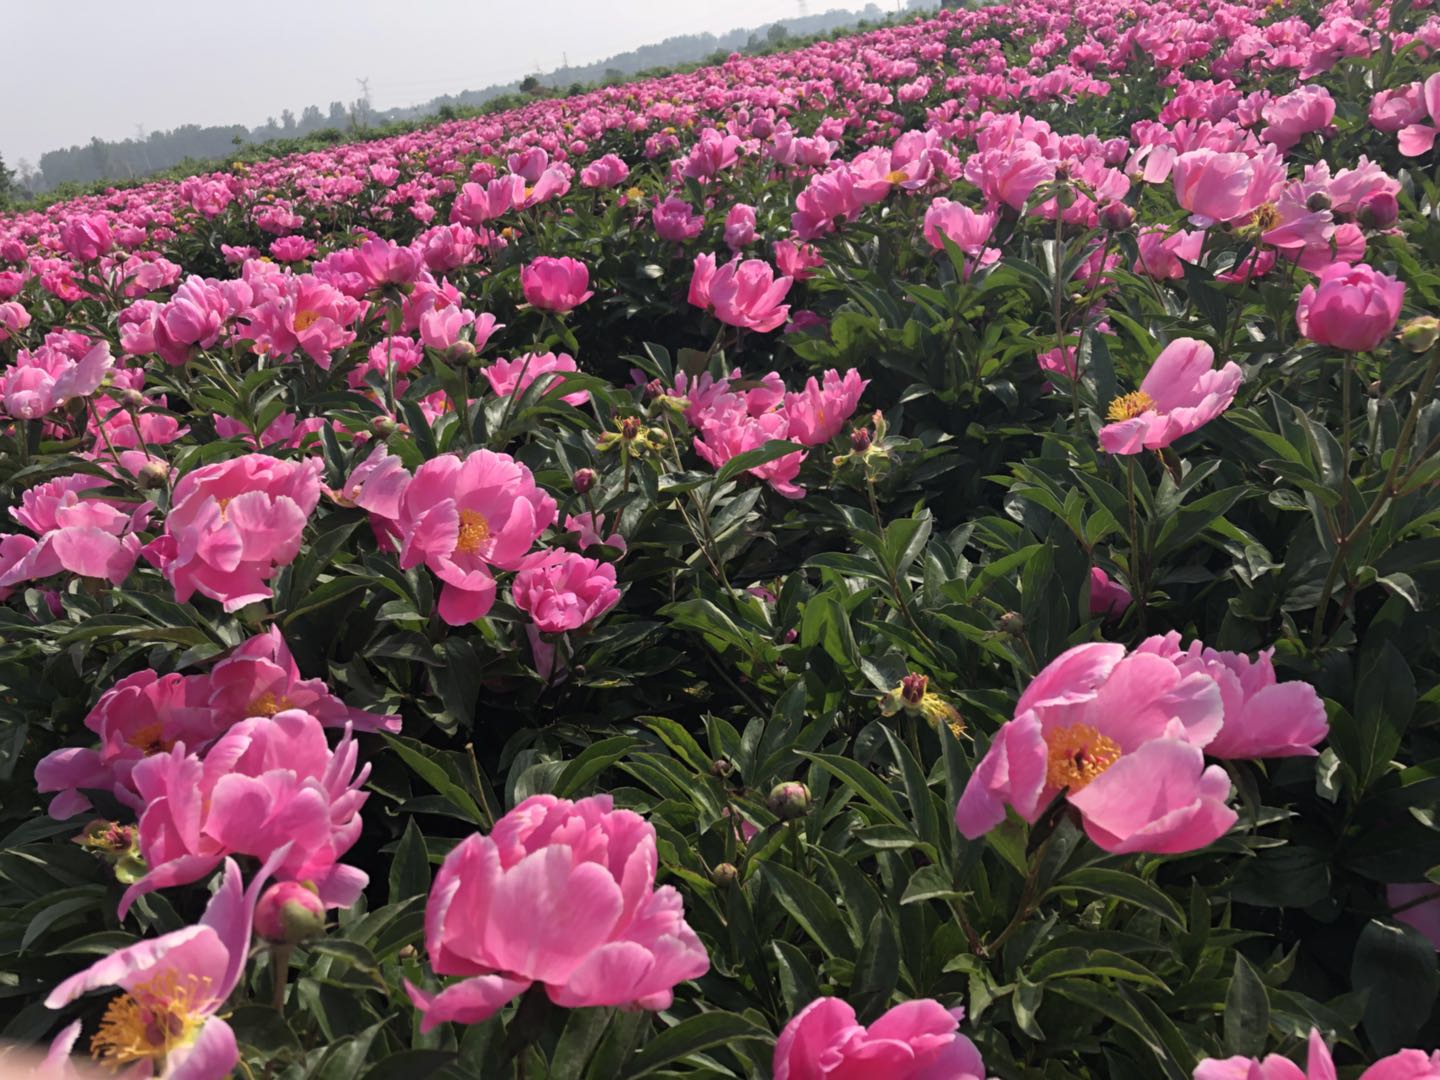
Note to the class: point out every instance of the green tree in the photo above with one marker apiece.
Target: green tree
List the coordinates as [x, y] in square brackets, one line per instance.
[7, 183]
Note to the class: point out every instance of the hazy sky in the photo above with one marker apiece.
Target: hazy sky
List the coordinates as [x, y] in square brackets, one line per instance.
[70, 69]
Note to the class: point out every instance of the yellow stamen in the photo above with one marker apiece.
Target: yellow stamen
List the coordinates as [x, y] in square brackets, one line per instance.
[896, 176]
[1078, 754]
[305, 319]
[1129, 406]
[151, 1021]
[149, 739]
[1266, 217]
[267, 704]
[474, 531]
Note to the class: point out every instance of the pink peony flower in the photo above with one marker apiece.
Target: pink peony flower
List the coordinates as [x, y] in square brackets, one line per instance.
[916, 1040]
[559, 893]
[591, 529]
[607, 171]
[268, 783]
[1163, 255]
[564, 591]
[1406, 1065]
[1350, 307]
[1263, 717]
[512, 376]
[817, 413]
[289, 249]
[1417, 138]
[797, 261]
[165, 1022]
[1107, 598]
[1297, 114]
[1391, 110]
[261, 678]
[739, 226]
[556, 284]
[1180, 393]
[1216, 186]
[1122, 737]
[86, 236]
[964, 226]
[13, 319]
[464, 517]
[747, 294]
[233, 524]
[676, 221]
[40, 382]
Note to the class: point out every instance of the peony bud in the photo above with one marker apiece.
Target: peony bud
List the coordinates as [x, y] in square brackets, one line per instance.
[153, 474]
[789, 800]
[1421, 333]
[1378, 210]
[1116, 217]
[289, 913]
[1318, 202]
[383, 425]
[131, 399]
[725, 874]
[582, 480]
[461, 354]
[860, 440]
[1012, 622]
[721, 767]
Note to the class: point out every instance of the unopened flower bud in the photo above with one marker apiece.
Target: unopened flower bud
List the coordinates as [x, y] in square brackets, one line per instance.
[1012, 622]
[789, 800]
[289, 913]
[912, 688]
[131, 399]
[725, 875]
[460, 354]
[1378, 210]
[1318, 202]
[721, 767]
[1420, 334]
[582, 480]
[383, 425]
[1116, 217]
[153, 474]
[860, 440]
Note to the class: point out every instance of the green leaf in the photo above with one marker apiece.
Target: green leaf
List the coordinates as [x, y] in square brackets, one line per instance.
[584, 1028]
[410, 866]
[1395, 964]
[690, 1037]
[1247, 1011]
[811, 907]
[1118, 885]
[751, 459]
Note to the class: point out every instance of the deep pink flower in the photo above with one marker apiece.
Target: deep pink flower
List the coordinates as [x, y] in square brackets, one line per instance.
[511, 376]
[268, 783]
[556, 284]
[1263, 717]
[607, 171]
[464, 517]
[564, 591]
[308, 315]
[818, 412]
[1180, 393]
[1107, 598]
[917, 1040]
[559, 893]
[1391, 110]
[591, 529]
[86, 236]
[165, 1022]
[1406, 1065]
[261, 678]
[746, 293]
[1163, 255]
[964, 226]
[1350, 307]
[233, 524]
[676, 221]
[728, 428]
[289, 249]
[797, 261]
[1121, 736]
[739, 226]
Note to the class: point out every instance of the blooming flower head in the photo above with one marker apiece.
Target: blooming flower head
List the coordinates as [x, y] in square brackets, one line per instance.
[1107, 597]
[233, 524]
[1405, 1065]
[1263, 717]
[563, 894]
[916, 1040]
[40, 382]
[675, 220]
[463, 517]
[164, 1023]
[513, 376]
[564, 591]
[743, 292]
[556, 284]
[269, 782]
[1349, 307]
[1180, 393]
[818, 412]
[1417, 138]
[1121, 736]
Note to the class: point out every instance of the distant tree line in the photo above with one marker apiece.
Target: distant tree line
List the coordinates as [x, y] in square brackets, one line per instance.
[162, 151]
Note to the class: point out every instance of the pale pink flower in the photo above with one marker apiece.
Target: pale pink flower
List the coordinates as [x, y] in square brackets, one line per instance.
[1405, 1065]
[556, 284]
[1180, 393]
[511, 376]
[564, 591]
[1350, 307]
[1418, 138]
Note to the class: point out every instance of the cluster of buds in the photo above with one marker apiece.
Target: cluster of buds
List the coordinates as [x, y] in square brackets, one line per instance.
[914, 695]
[117, 844]
[870, 448]
[635, 438]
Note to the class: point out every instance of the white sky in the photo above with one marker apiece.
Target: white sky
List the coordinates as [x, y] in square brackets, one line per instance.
[71, 69]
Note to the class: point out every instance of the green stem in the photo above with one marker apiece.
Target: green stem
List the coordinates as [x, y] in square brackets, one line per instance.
[280, 972]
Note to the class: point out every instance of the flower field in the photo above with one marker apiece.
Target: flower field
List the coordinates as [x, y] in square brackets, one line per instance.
[914, 557]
